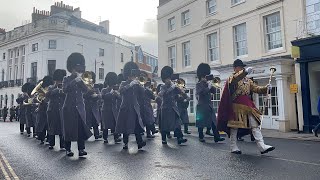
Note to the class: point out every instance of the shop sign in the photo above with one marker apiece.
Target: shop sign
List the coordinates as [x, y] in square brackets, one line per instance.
[293, 88]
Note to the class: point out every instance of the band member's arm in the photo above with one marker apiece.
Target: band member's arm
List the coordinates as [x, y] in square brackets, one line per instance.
[235, 78]
[202, 88]
[150, 94]
[106, 95]
[52, 91]
[257, 89]
[68, 85]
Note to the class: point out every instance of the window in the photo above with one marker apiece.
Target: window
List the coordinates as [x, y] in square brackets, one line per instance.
[34, 47]
[171, 24]
[191, 102]
[52, 44]
[121, 57]
[211, 6]
[11, 54]
[16, 72]
[213, 50]
[23, 50]
[233, 2]
[186, 54]
[240, 40]
[1, 99]
[51, 67]
[101, 73]
[18, 53]
[185, 18]
[172, 56]
[273, 31]
[215, 98]
[2, 75]
[34, 70]
[101, 52]
[22, 72]
[10, 71]
[140, 56]
[4, 56]
[274, 103]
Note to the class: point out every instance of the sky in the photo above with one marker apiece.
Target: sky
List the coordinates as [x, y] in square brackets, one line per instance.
[133, 20]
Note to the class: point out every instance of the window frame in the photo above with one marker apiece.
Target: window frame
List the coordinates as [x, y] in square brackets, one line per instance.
[186, 62]
[34, 68]
[52, 45]
[101, 52]
[49, 63]
[266, 33]
[185, 21]
[173, 26]
[208, 7]
[172, 57]
[216, 48]
[121, 57]
[192, 105]
[234, 3]
[215, 99]
[101, 74]
[237, 42]
[35, 47]
[4, 56]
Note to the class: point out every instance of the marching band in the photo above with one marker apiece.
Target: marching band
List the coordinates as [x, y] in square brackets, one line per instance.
[70, 106]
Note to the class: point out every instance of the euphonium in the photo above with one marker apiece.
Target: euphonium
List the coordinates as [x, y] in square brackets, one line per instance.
[39, 92]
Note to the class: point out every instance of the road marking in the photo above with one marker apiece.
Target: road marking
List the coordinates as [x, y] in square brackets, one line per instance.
[14, 175]
[3, 169]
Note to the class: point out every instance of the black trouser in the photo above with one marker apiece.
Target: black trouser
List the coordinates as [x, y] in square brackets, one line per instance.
[96, 132]
[81, 137]
[11, 117]
[186, 127]
[4, 118]
[42, 134]
[150, 129]
[177, 132]
[106, 134]
[21, 128]
[29, 130]
[52, 140]
[214, 129]
[138, 138]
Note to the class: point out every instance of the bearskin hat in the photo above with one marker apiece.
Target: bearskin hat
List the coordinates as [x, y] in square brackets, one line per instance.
[111, 79]
[75, 59]
[166, 72]
[25, 87]
[47, 81]
[120, 78]
[59, 74]
[127, 69]
[93, 76]
[203, 70]
[30, 88]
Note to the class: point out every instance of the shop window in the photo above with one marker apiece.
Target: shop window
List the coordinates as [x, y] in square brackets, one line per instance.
[314, 74]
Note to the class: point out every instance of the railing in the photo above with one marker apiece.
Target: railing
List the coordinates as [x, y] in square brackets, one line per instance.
[308, 26]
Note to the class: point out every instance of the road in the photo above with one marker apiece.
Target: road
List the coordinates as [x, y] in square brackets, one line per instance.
[292, 160]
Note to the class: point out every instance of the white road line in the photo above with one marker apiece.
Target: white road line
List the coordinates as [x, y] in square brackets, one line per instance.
[3, 169]
[14, 175]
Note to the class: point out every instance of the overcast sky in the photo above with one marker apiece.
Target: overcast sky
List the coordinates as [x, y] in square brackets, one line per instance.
[134, 20]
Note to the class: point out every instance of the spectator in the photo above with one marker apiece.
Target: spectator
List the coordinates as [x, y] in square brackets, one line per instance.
[12, 112]
[5, 113]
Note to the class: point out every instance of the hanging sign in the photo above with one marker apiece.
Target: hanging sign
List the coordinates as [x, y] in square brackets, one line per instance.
[293, 88]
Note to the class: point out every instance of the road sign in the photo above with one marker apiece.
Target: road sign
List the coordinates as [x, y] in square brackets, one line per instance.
[293, 88]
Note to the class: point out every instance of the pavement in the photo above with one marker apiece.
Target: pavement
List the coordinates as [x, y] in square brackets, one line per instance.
[24, 158]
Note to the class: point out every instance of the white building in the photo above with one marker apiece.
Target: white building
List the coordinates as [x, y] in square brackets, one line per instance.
[32, 51]
[219, 31]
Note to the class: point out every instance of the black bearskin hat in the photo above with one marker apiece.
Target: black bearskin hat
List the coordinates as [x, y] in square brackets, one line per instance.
[120, 78]
[25, 87]
[166, 72]
[59, 74]
[111, 79]
[203, 70]
[159, 88]
[30, 89]
[93, 76]
[75, 59]
[127, 69]
[47, 81]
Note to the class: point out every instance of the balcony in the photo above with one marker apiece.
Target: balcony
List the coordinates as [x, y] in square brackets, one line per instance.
[11, 83]
[308, 26]
[5, 84]
[19, 82]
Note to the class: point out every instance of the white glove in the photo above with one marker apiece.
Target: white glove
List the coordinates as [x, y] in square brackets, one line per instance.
[249, 70]
[173, 86]
[111, 91]
[209, 84]
[134, 82]
[269, 86]
[78, 79]
[94, 95]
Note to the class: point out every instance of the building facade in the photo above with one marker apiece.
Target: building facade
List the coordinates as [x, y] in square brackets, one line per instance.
[219, 31]
[32, 51]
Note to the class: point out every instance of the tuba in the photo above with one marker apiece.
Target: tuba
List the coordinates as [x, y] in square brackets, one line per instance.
[39, 92]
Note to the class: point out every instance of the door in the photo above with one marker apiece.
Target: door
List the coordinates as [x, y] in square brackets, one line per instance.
[270, 110]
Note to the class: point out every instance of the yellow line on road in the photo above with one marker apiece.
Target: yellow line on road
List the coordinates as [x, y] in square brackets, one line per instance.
[14, 175]
[3, 169]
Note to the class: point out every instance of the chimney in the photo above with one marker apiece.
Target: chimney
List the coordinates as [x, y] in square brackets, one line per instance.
[105, 25]
[2, 31]
[77, 13]
[59, 7]
[38, 15]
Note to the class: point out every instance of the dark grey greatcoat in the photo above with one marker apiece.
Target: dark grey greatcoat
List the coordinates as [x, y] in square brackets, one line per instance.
[41, 117]
[73, 110]
[109, 109]
[159, 102]
[129, 119]
[22, 112]
[170, 116]
[30, 114]
[183, 104]
[93, 115]
[148, 117]
[205, 113]
[54, 110]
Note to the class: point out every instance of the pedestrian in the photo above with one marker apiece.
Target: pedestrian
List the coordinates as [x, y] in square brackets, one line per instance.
[12, 113]
[183, 104]
[110, 95]
[316, 129]
[74, 114]
[20, 100]
[237, 110]
[129, 118]
[205, 114]
[30, 111]
[93, 115]
[41, 112]
[170, 116]
[5, 113]
[55, 97]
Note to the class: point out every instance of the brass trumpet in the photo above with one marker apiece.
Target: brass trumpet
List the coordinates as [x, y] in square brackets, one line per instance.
[87, 79]
[215, 81]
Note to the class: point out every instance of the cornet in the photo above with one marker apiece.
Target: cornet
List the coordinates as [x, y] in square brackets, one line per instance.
[215, 81]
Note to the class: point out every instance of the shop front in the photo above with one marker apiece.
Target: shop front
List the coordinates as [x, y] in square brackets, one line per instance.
[309, 64]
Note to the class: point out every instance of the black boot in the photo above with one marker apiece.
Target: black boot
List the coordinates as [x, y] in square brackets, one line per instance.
[82, 153]
[125, 146]
[181, 140]
[141, 144]
[69, 153]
